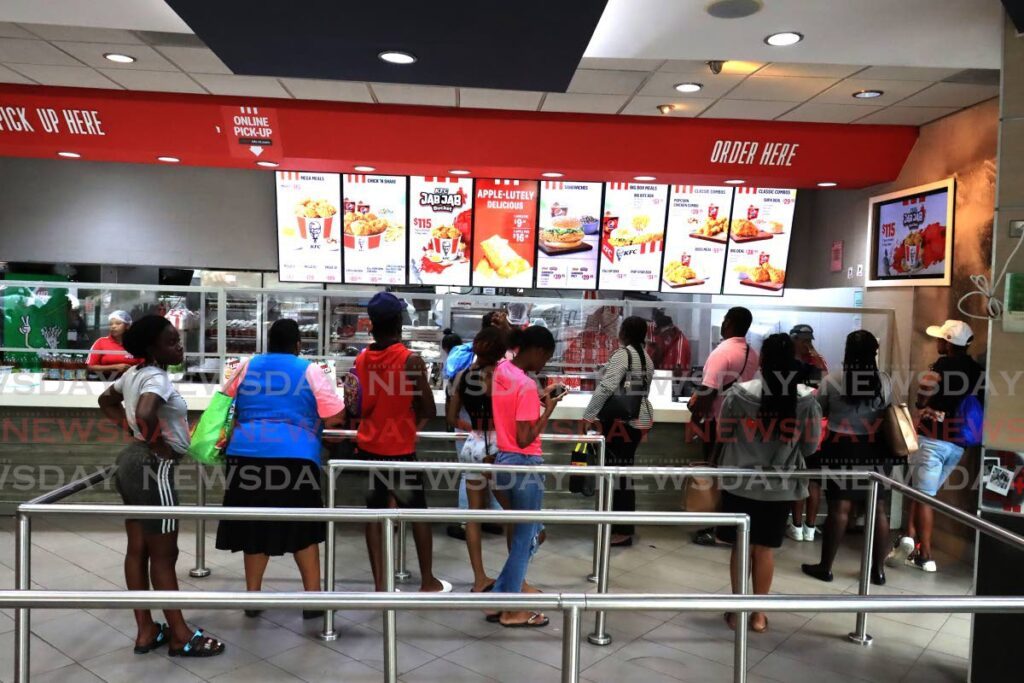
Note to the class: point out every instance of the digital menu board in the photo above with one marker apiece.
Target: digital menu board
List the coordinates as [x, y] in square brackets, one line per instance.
[911, 236]
[568, 241]
[504, 231]
[308, 241]
[696, 239]
[375, 215]
[440, 231]
[759, 233]
[632, 236]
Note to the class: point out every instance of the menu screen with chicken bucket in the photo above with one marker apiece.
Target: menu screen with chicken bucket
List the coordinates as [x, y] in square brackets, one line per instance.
[308, 234]
[910, 236]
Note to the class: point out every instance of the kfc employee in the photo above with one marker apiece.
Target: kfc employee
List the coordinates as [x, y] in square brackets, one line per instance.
[112, 364]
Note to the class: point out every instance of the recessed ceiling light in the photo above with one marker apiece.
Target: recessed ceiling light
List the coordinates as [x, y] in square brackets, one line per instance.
[268, 164]
[69, 155]
[784, 39]
[119, 58]
[689, 87]
[397, 57]
[459, 171]
[168, 160]
[735, 182]
[644, 178]
[552, 174]
[827, 184]
[365, 169]
[868, 94]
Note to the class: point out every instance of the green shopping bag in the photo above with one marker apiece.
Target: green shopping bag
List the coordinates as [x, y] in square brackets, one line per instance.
[213, 431]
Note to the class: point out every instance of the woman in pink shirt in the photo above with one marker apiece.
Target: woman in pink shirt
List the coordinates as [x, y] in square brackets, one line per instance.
[521, 413]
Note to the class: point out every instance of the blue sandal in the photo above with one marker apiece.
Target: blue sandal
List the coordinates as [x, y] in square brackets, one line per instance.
[198, 646]
[160, 640]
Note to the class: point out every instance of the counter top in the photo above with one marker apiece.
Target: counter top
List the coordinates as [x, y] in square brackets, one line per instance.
[29, 390]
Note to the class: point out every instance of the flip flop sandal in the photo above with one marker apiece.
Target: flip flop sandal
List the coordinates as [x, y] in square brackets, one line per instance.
[161, 639]
[532, 622]
[763, 629]
[730, 620]
[493, 618]
[486, 589]
[199, 646]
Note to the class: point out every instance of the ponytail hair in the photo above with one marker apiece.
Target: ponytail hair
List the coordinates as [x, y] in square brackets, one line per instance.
[779, 370]
[489, 346]
[634, 333]
[449, 340]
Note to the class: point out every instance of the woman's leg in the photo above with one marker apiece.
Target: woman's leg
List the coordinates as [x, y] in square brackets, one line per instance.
[308, 561]
[478, 494]
[813, 503]
[525, 493]
[622, 442]
[136, 578]
[255, 565]
[835, 531]
[925, 523]
[163, 556]
[881, 549]
[762, 562]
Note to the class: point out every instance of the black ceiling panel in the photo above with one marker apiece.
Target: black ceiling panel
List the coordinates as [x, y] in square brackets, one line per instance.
[509, 44]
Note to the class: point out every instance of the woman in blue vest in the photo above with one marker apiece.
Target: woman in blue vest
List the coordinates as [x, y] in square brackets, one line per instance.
[282, 404]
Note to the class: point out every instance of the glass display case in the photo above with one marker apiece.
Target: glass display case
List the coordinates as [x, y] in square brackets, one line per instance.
[241, 322]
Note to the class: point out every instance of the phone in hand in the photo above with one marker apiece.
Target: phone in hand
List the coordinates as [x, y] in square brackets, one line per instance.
[559, 390]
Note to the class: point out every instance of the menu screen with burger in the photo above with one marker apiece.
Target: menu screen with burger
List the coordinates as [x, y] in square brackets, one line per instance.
[696, 239]
[308, 239]
[633, 236]
[504, 232]
[375, 216]
[759, 233]
[568, 244]
[441, 230]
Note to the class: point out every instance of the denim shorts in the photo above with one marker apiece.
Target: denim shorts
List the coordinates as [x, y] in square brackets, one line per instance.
[934, 461]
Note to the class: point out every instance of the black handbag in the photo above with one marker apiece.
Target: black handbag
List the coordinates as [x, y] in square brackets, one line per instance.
[583, 455]
[628, 398]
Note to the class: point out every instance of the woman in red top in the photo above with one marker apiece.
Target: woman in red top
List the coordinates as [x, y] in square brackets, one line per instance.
[112, 364]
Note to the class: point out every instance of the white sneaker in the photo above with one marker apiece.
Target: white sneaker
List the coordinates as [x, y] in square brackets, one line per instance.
[809, 532]
[795, 532]
[914, 560]
[900, 551]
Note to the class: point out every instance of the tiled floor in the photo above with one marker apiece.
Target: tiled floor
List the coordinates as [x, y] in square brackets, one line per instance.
[447, 646]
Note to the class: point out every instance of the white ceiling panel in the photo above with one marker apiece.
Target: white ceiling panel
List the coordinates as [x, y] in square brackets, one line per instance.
[69, 76]
[600, 82]
[586, 104]
[83, 34]
[137, 15]
[779, 88]
[9, 30]
[952, 95]
[8, 76]
[906, 73]
[246, 86]
[620, 64]
[196, 60]
[16, 51]
[338, 91]
[684, 108]
[746, 109]
[732, 67]
[398, 93]
[828, 113]
[664, 85]
[809, 70]
[892, 91]
[156, 81]
[479, 98]
[907, 116]
[146, 58]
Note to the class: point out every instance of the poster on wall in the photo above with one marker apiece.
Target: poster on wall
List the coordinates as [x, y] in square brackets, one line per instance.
[504, 232]
[308, 240]
[910, 239]
[568, 242]
[375, 216]
[633, 236]
[696, 239]
[441, 230]
[760, 229]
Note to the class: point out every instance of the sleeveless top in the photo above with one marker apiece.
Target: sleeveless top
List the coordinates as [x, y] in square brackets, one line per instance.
[388, 423]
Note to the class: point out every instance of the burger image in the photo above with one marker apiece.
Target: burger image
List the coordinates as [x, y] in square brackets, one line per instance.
[564, 232]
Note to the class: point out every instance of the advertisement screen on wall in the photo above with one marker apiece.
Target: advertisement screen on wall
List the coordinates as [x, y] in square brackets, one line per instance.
[375, 223]
[633, 236]
[696, 239]
[760, 228]
[308, 234]
[504, 232]
[440, 231]
[568, 242]
[910, 236]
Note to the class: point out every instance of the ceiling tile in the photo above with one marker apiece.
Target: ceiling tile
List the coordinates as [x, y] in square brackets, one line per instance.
[15, 51]
[146, 58]
[595, 82]
[399, 93]
[746, 109]
[246, 86]
[9, 30]
[664, 85]
[828, 113]
[195, 60]
[809, 70]
[339, 91]
[83, 34]
[478, 98]
[620, 64]
[906, 73]
[648, 106]
[892, 91]
[8, 76]
[732, 67]
[952, 95]
[585, 104]
[779, 88]
[71, 76]
[156, 81]
[908, 116]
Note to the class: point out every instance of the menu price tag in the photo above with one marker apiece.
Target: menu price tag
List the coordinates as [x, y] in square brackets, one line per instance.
[504, 232]
[308, 239]
[374, 229]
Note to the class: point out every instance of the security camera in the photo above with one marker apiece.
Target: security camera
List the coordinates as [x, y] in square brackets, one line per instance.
[716, 66]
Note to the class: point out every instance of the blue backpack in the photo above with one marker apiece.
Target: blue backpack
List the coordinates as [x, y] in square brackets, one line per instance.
[971, 418]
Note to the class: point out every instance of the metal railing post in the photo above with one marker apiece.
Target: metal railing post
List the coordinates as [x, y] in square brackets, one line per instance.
[571, 645]
[860, 635]
[390, 625]
[600, 635]
[22, 620]
[328, 632]
[401, 573]
[739, 673]
[599, 504]
[200, 570]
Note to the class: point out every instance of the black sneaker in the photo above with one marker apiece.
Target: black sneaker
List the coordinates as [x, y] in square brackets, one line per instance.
[456, 531]
[705, 537]
[493, 529]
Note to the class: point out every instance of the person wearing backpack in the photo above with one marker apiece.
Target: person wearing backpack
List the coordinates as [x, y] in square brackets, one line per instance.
[949, 421]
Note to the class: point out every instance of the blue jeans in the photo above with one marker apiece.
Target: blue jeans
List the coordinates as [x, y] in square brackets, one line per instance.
[525, 492]
[934, 461]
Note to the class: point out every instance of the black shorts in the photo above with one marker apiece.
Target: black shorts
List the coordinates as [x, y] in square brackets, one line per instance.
[143, 478]
[767, 519]
[405, 487]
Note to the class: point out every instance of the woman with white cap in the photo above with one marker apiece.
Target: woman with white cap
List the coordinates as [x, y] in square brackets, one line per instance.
[104, 357]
